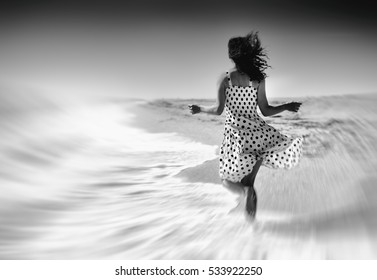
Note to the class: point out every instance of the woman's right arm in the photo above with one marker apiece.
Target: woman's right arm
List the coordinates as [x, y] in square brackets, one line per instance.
[267, 109]
[218, 107]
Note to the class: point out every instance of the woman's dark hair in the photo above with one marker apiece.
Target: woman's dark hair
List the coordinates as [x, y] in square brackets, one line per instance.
[249, 56]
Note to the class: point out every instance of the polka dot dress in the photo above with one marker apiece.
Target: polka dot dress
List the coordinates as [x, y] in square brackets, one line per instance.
[248, 138]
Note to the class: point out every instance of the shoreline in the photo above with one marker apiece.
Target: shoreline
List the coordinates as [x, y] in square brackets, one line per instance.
[155, 119]
[162, 116]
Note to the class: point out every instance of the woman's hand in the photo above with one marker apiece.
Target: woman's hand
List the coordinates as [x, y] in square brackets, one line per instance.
[293, 106]
[194, 109]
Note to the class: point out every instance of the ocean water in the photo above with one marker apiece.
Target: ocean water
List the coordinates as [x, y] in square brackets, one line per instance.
[78, 180]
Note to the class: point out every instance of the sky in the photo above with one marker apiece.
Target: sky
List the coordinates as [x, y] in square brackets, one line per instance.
[178, 49]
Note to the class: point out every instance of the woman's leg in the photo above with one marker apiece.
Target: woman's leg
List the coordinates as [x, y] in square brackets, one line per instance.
[249, 179]
[251, 197]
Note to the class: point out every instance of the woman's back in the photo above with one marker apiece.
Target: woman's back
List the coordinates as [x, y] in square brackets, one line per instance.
[242, 80]
[241, 100]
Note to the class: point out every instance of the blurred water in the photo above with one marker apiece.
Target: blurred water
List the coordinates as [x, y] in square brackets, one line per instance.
[78, 182]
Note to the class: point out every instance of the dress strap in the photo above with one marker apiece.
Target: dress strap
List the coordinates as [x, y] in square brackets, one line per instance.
[229, 80]
[250, 83]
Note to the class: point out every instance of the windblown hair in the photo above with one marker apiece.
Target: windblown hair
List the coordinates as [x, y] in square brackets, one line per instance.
[249, 56]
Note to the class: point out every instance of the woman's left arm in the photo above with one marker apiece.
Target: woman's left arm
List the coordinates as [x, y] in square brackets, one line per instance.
[215, 109]
[268, 110]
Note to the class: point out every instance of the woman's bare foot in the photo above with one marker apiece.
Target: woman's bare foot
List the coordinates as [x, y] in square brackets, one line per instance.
[240, 207]
[251, 202]
[235, 188]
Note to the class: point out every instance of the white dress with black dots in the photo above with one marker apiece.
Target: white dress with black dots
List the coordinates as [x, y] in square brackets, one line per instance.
[248, 138]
